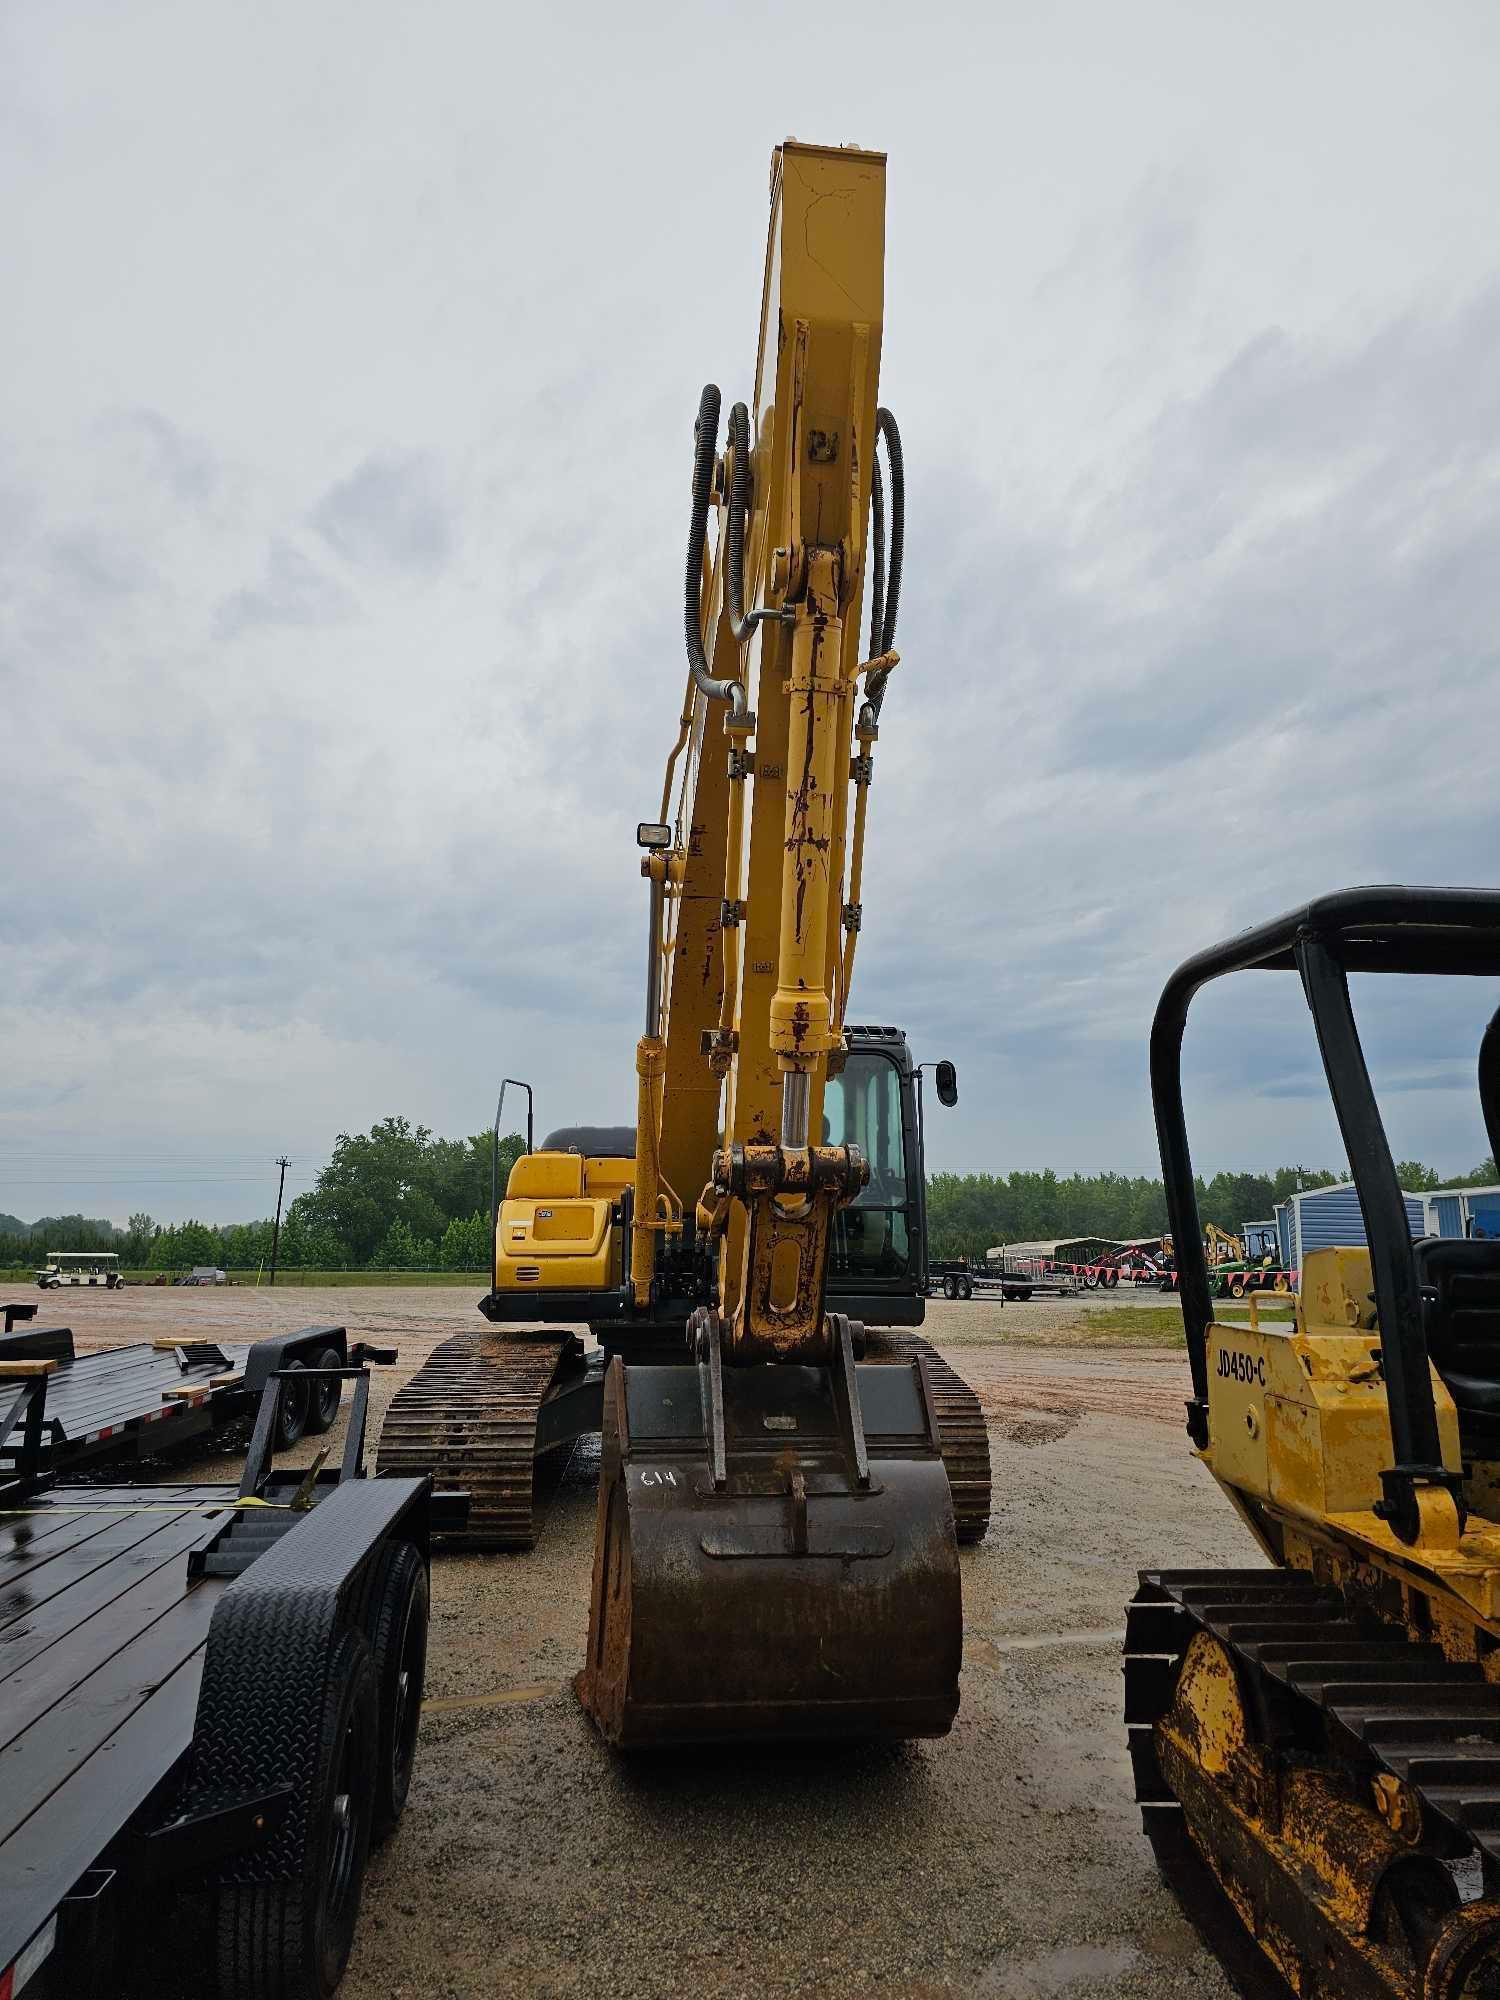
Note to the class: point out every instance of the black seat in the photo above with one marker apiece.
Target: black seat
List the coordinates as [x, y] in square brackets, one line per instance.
[1461, 1304]
[597, 1141]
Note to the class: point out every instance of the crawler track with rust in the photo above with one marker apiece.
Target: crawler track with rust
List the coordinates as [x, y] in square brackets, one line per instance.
[1348, 1694]
[469, 1416]
[961, 1427]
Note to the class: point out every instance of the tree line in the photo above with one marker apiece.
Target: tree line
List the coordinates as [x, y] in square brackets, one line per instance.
[397, 1198]
[969, 1213]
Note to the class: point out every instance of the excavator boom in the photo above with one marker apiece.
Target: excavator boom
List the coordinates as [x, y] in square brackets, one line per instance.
[776, 1549]
[782, 1490]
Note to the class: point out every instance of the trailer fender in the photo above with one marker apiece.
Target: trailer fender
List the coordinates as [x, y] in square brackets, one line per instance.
[277, 1349]
[272, 1643]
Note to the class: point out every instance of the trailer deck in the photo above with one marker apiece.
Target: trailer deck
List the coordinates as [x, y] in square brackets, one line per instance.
[102, 1634]
[171, 1660]
[135, 1401]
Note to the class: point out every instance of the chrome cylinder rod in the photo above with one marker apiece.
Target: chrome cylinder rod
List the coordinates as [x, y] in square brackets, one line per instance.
[796, 1095]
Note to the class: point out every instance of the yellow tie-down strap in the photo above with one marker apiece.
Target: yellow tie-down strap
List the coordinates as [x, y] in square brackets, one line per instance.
[153, 1507]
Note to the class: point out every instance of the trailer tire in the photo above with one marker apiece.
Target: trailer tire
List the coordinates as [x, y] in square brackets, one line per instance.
[291, 1940]
[950, 1286]
[292, 1410]
[397, 1625]
[1111, 1276]
[323, 1397]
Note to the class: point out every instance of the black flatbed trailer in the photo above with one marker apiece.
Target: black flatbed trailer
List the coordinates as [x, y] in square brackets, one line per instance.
[132, 1402]
[206, 1688]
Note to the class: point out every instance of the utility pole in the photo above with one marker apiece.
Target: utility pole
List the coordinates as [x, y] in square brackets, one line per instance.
[283, 1162]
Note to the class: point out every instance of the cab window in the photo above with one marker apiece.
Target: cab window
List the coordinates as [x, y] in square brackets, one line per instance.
[862, 1107]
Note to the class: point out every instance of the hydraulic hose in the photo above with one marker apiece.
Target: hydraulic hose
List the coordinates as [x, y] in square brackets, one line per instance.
[885, 602]
[885, 590]
[738, 443]
[706, 438]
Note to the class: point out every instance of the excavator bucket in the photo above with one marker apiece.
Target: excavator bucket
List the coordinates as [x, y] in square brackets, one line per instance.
[775, 1555]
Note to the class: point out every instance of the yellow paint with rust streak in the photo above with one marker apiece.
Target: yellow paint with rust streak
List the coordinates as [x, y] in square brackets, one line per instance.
[1300, 1434]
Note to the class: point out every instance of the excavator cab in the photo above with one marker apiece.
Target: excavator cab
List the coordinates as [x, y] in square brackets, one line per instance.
[1324, 1733]
[877, 1267]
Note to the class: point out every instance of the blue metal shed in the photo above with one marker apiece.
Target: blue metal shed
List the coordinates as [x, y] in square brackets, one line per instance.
[1323, 1218]
[1466, 1211]
[1447, 1215]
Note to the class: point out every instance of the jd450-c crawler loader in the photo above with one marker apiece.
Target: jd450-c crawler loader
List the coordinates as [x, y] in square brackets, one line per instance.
[1324, 1733]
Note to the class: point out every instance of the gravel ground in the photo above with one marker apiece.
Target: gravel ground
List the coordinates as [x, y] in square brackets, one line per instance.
[1004, 1861]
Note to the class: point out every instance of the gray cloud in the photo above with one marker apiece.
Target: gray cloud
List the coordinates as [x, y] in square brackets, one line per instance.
[292, 591]
[388, 514]
[344, 743]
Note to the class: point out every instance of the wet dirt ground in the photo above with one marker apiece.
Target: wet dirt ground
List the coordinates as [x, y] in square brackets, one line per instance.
[1004, 1861]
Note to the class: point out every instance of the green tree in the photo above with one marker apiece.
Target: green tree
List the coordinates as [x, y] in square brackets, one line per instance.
[135, 1245]
[185, 1244]
[466, 1244]
[403, 1250]
[1416, 1178]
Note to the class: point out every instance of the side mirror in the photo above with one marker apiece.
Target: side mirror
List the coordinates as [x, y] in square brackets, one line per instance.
[947, 1084]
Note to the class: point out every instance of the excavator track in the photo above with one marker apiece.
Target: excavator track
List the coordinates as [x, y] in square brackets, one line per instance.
[961, 1426]
[1361, 1705]
[469, 1417]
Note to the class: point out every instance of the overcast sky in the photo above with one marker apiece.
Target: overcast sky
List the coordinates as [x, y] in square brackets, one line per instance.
[348, 364]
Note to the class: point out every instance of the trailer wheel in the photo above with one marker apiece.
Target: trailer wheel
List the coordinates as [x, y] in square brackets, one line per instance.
[291, 1410]
[291, 1940]
[323, 1397]
[398, 1637]
[966, 1288]
[950, 1286]
[1111, 1276]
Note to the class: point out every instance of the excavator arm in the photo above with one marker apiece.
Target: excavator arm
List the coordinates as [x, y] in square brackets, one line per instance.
[776, 1547]
[753, 931]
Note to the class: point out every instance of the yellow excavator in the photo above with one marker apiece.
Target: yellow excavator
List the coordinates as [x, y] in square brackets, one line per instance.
[787, 1467]
[1319, 1738]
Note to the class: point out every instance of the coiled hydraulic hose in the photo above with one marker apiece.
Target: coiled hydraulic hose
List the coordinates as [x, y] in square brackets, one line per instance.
[706, 438]
[885, 584]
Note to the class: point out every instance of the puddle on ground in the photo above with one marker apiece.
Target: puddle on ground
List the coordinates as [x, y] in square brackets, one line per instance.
[1059, 1972]
[985, 1652]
